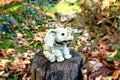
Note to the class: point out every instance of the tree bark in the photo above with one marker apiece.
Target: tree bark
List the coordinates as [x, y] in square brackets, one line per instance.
[69, 69]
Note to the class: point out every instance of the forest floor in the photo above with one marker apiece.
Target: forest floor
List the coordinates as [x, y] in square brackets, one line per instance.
[23, 25]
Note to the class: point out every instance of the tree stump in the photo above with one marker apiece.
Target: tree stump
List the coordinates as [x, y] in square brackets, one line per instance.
[70, 69]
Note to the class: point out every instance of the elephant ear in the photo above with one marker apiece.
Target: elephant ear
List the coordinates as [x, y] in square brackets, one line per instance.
[50, 37]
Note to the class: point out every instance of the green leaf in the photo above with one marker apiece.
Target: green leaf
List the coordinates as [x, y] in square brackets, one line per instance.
[108, 78]
[7, 44]
[109, 58]
[14, 8]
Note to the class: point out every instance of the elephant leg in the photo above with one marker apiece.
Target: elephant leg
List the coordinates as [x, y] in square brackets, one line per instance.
[59, 55]
[66, 52]
[50, 56]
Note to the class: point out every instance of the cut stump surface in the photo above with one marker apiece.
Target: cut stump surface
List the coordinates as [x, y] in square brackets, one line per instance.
[42, 69]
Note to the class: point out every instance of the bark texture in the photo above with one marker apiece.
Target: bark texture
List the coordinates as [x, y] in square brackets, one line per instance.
[69, 69]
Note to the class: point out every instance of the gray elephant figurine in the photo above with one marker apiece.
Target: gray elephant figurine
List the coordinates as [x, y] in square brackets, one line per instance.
[55, 47]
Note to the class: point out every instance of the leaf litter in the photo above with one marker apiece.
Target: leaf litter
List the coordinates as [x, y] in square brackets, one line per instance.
[98, 42]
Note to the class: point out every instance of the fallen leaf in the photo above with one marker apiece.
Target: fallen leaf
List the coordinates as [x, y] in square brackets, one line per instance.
[18, 0]
[25, 55]
[10, 51]
[2, 2]
[98, 78]
[23, 42]
[2, 67]
[3, 52]
[3, 62]
[25, 78]
[2, 78]
[68, 9]
[6, 74]
[1, 73]
[105, 4]
[103, 71]
[108, 78]
[116, 74]
[94, 65]
[26, 61]
[19, 35]
[117, 63]
[49, 13]
[114, 53]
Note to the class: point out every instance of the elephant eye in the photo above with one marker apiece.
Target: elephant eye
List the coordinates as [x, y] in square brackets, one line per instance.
[62, 34]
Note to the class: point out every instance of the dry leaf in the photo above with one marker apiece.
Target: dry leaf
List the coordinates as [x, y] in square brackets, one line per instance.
[26, 54]
[17, 0]
[3, 52]
[99, 77]
[103, 71]
[116, 74]
[114, 53]
[19, 35]
[26, 61]
[6, 74]
[10, 51]
[1, 73]
[117, 63]
[3, 62]
[2, 78]
[2, 2]
[2, 67]
[49, 13]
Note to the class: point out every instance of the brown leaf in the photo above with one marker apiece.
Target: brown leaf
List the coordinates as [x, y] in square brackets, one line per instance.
[18, 0]
[3, 52]
[2, 67]
[116, 74]
[103, 71]
[2, 79]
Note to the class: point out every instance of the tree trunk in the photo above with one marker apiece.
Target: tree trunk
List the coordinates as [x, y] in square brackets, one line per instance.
[69, 69]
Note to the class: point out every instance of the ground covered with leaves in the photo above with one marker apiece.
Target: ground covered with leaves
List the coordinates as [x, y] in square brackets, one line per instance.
[24, 23]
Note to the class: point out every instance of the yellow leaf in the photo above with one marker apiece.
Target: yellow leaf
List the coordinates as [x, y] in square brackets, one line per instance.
[82, 1]
[66, 9]
[112, 1]
[3, 62]
[105, 4]
[26, 61]
[89, 3]
[10, 51]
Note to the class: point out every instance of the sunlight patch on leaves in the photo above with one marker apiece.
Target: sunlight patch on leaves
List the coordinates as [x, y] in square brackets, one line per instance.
[65, 8]
[107, 4]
